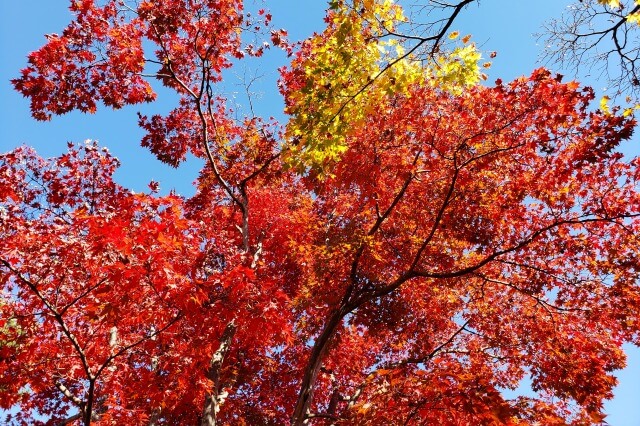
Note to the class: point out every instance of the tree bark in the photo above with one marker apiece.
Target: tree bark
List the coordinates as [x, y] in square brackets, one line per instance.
[214, 399]
[313, 368]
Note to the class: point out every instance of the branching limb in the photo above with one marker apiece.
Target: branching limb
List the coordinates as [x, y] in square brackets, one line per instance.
[66, 392]
[56, 315]
[592, 36]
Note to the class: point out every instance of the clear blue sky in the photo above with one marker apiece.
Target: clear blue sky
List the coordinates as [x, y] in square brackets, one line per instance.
[497, 25]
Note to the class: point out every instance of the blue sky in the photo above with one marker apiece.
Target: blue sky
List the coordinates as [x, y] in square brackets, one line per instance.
[496, 25]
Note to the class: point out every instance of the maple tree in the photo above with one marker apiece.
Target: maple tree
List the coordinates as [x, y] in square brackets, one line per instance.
[409, 244]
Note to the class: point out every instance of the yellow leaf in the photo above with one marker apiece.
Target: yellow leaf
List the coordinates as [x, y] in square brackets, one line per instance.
[610, 3]
[604, 105]
[634, 18]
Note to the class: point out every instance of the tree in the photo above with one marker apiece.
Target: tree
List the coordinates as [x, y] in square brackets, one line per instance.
[600, 36]
[407, 245]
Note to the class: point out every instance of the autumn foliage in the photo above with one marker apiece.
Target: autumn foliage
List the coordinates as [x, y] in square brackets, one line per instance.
[406, 247]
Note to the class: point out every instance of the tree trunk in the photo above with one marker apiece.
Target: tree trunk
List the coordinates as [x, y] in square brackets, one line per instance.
[313, 368]
[214, 399]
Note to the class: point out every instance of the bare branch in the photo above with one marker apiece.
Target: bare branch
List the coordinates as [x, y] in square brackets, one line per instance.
[595, 37]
